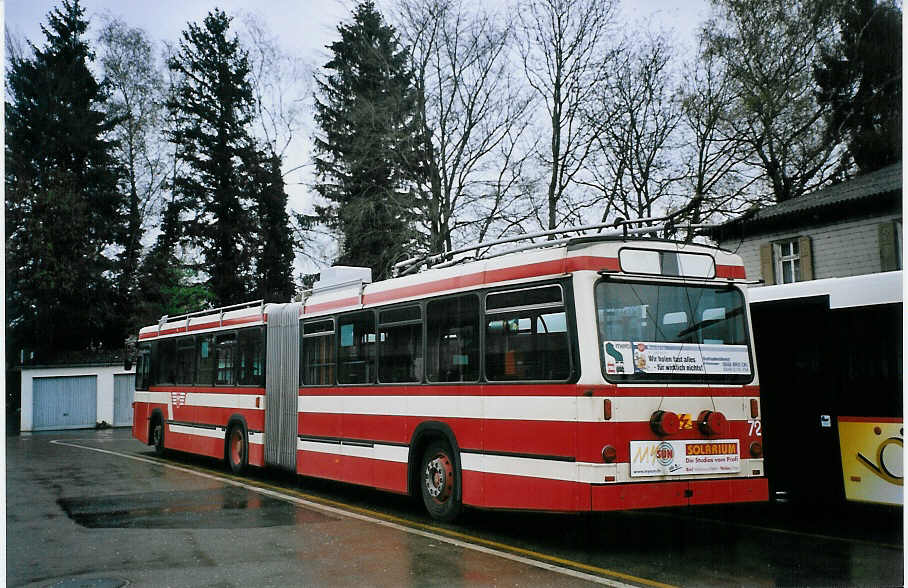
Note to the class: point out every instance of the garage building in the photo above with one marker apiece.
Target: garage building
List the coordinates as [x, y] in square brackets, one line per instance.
[76, 396]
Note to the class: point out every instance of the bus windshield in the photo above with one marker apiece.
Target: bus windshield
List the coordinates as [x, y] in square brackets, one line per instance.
[672, 333]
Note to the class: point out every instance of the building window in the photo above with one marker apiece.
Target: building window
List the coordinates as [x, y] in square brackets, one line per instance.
[788, 261]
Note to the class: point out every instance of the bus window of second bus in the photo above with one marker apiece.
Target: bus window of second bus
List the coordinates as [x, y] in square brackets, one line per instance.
[452, 340]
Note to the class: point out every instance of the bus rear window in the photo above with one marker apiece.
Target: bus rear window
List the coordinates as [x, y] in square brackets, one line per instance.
[672, 333]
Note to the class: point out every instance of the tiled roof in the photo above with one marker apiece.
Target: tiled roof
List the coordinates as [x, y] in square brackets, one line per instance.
[881, 181]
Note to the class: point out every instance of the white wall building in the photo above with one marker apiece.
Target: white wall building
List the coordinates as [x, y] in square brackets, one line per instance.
[76, 396]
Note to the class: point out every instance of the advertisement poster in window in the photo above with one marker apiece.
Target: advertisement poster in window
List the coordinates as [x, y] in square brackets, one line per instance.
[626, 357]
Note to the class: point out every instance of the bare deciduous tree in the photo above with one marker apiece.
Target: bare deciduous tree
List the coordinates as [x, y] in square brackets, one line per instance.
[474, 119]
[635, 166]
[717, 177]
[565, 59]
[136, 85]
[769, 48]
[281, 85]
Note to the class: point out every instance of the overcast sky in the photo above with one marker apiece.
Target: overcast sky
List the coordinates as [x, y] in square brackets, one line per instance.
[303, 28]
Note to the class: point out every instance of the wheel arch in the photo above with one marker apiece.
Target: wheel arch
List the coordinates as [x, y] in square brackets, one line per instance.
[424, 434]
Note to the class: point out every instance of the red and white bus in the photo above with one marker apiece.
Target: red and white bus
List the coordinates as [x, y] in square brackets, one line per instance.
[585, 374]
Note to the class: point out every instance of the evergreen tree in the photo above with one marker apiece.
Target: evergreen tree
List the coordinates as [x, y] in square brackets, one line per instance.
[860, 78]
[365, 150]
[274, 264]
[64, 212]
[212, 107]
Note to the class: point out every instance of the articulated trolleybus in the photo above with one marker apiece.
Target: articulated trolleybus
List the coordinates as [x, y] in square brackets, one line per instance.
[589, 373]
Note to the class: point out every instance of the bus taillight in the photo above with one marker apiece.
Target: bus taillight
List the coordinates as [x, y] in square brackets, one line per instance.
[712, 423]
[665, 423]
[756, 449]
[609, 454]
[754, 408]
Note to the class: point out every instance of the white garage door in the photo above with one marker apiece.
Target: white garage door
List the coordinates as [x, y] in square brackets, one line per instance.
[64, 402]
[124, 388]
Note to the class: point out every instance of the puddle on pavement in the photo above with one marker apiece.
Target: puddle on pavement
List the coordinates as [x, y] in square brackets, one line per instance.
[219, 508]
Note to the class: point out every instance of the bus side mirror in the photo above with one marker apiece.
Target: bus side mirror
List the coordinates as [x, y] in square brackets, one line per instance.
[130, 349]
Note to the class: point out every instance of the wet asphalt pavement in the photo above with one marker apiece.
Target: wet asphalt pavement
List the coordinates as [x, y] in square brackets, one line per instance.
[77, 517]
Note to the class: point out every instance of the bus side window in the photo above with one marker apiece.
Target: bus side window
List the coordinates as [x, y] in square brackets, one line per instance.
[453, 339]
[205, 359]
[185, 361]
[527, 336]
[167, 361]
[225, 357]
[317, 353]
[400, 345]
[356, 348]
[251, 357]
[143, 367]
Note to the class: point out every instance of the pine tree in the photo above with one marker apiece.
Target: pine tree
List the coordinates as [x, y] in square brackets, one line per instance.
[365, 150]
[64, 211]
[274, 264]
[860, 78]
[212, 108]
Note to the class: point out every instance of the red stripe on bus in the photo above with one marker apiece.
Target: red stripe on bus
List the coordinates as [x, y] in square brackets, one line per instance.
[211, 415]
[331, 305]
[532, 270]
[676, 391]
[231, 322]
[210, 446]
[385, 475]
[252, 391]
[524, 493]
[256, 455]
[731, 271]
[594, 436]
[385, 428]
[529, 390]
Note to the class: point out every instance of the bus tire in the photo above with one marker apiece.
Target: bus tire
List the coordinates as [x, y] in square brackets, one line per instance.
[237, 449]
[157, 436]
[439, 482]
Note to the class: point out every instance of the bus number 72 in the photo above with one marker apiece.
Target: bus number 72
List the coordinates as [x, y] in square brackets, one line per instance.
[756, 428]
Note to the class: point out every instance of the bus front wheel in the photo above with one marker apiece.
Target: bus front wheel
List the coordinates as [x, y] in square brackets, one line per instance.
[440, 483]
[157, 436]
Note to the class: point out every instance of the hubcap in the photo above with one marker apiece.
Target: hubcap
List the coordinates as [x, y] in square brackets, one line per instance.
[439, 477]
[236, 446]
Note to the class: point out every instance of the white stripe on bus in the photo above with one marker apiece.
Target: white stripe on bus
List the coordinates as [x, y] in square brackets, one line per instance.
[625, 409]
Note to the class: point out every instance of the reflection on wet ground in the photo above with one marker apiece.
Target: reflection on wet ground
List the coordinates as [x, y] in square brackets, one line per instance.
[229, 507]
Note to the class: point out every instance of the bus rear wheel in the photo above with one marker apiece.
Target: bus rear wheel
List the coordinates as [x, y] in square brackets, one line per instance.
[440, 483]
[237, 449]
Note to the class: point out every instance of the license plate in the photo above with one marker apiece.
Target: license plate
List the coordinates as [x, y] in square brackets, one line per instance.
[683, 458]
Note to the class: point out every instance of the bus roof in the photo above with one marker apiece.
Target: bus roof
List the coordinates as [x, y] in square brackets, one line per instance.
[542, 263]
[864, 290]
